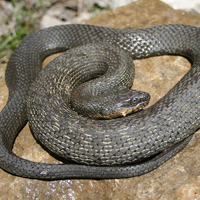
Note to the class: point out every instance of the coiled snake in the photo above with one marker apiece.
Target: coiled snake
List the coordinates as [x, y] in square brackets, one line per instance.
[122, 147]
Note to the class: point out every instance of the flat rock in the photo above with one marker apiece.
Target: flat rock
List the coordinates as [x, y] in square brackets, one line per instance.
[179, 178]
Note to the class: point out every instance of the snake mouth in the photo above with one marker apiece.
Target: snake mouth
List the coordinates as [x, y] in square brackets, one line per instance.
[125, 111]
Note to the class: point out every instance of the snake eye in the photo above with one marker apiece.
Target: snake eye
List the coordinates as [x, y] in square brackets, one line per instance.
[134, 100]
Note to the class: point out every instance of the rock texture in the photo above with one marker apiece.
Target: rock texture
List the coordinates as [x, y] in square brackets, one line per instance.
[179, 178]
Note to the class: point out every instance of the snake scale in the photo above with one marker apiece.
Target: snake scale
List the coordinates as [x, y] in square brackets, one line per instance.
[116, 148]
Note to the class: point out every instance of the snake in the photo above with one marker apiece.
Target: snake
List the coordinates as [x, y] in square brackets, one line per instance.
[106, 148]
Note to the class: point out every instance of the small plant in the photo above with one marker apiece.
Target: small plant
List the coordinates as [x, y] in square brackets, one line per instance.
[24, 20]
[11, 41]
[96, 9]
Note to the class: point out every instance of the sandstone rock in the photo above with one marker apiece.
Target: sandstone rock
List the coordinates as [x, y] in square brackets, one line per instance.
[178, 178]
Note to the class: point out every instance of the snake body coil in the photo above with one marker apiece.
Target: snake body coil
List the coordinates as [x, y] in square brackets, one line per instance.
[160, 131]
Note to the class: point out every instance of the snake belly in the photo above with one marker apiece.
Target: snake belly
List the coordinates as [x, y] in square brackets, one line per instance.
[159, 131]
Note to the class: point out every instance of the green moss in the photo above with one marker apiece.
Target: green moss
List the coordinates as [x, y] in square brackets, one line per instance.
[25, 23]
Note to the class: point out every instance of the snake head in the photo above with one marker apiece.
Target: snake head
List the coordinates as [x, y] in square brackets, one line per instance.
[127, 102]
[123, 102]
[116, 103]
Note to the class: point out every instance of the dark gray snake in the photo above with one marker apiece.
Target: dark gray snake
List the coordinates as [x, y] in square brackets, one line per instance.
[125, 147]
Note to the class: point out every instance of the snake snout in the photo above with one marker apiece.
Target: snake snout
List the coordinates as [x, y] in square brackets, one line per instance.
[132, 101]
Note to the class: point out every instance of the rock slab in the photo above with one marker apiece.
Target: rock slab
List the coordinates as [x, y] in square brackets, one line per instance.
[179, 178]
